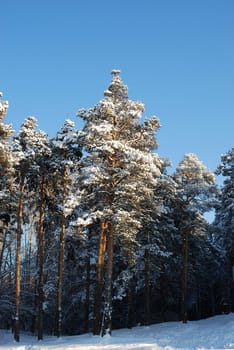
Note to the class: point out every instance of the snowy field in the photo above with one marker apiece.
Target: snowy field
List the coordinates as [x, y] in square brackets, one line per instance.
[213, 333]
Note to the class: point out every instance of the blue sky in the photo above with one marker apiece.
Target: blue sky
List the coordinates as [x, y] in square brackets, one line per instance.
[176, 56]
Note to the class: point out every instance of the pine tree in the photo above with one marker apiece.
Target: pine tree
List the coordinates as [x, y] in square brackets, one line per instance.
[118, 174]
[32, 147]
[159, 243]
[6, 174]
[224, 222]
[196, 190]
[64, 163]
[6, 168]
[7, 188]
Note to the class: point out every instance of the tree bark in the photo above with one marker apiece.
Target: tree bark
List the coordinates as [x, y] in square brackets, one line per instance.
[41, 260]
[3, 245]
[99, 275]
[107, 317]
[17, 271]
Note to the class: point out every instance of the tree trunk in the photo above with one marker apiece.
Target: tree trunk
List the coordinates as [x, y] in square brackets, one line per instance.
[107, 316]
[99, 275]
[41, 260]
[61, 261]
[147, 287]
[185, 276]
[17, 271]
[87, 290]
[3, 245]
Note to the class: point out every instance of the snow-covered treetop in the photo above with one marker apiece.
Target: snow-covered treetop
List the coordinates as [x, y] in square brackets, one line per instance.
[114, 118]
[192, 170]
[6, 158]
[5, 129]
[226, 167]
[31, 141]
[196, 184]
[116, 71]
[65, 149]
[66, 135]
[116, 90]
[3, 107]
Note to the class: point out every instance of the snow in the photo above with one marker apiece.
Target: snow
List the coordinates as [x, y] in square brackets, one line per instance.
[213, 333]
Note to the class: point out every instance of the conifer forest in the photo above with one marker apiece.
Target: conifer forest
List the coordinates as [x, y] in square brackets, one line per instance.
[96, 234]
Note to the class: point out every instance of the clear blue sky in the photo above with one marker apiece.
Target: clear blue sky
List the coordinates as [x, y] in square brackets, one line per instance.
[176, 56]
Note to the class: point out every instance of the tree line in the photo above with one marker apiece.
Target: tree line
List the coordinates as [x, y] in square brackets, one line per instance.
[94, 232]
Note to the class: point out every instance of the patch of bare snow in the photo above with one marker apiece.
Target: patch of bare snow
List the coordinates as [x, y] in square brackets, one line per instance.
[213, 333]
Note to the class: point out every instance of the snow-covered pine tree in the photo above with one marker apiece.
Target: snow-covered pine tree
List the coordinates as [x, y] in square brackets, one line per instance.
[32, 146]
[118, 174]
[158, 239]
[224, 221]
[195, 195]
[7, 187]
[6, 173]
[66, 154]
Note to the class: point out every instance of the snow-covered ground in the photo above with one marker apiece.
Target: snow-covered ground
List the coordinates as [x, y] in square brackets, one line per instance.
[213, 333]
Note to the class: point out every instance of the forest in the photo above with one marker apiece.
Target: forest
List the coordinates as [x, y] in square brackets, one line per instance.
[95, 234]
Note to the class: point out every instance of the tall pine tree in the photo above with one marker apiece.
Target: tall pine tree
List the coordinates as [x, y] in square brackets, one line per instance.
[118, 174]
[195, 191]
[224, 223]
